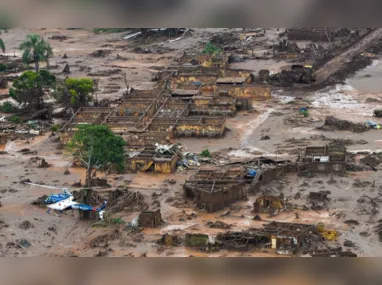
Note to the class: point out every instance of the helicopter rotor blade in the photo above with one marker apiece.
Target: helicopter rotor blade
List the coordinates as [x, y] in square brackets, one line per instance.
[60, 188]
[49, 187]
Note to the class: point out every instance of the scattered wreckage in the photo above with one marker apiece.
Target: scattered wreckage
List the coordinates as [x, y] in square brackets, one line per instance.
[65, 201]
[281, 238]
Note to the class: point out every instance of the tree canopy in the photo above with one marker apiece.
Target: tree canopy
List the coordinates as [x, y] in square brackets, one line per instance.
[28, 88]
[35, 49]
[5, 24]
[211, 49]
[2, 45]
[98, 149]
[76, 91]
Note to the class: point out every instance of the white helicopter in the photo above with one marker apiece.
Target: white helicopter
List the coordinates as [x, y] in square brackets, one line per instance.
[65, 201]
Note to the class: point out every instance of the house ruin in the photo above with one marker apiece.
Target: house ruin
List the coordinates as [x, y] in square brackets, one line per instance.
[3, 138]
[324, 159]
[268, 204]
[147, 159]
[282, 238]
[150, 219]
[212, 190]
[204, 60]
[267, 170]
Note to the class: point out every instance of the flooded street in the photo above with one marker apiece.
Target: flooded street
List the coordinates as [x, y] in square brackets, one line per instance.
[368, 80]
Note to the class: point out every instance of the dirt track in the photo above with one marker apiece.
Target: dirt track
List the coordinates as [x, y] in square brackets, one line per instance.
[339, 61]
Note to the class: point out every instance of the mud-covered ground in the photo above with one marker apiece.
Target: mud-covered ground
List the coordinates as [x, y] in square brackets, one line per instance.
[26, 230]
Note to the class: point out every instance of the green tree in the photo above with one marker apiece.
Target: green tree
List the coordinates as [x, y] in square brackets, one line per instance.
[98, 149]
[8, 107]
[28, 89]
[2, 45]
[35, 49]
[211, 49]
[76, 91]
[5, 24]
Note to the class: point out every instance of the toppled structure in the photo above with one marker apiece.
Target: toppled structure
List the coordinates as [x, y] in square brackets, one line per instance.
[266, 170]
[236, 83]
[205, 60]
[3, 138]
[146, 117]
[297, 74]
[268, 204]
[212, 190]
[283, 238]
[319, 200]
[38, 162]
[332, 123]
[152, 158]
[323, 35]
[150, 219]
[328, 159]
[125, 200]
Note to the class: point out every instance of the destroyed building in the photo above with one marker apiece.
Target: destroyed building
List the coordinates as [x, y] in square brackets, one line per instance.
[150, 219]
[323, 35]
[297, 74]
[324, 159]
[268, 204]
[283, 238]
[204, 60]
[147, 158]
[267, 170]
[3, 138]
[238, 84]
[212, 190]
[152, 116]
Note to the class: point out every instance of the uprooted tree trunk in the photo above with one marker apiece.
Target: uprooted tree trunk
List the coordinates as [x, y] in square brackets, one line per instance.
[91, 168]
[36, 61]
[91, 173]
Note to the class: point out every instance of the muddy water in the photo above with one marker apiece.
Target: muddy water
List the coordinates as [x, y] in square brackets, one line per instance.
[368, 79]
[256, 65]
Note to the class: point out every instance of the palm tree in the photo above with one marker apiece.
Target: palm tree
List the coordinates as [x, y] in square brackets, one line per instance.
[35, 49]
[2, 46]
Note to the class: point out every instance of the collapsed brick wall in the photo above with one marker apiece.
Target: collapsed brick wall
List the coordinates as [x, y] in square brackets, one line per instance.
[271, 174]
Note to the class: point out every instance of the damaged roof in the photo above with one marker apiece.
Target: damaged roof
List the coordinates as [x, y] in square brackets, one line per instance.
[230, 80]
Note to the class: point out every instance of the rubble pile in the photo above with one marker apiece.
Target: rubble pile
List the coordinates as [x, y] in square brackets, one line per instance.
[236, 240]
[332, 123]
[330, 252]
[26, 225]
[218, 225]
[378, 230]
[39, 202]
[38, 162]
[371, 160]
[319, 200]
[367, 206]
[107, 72]
[170, 240]
[99, 182]
[58, 37]
[378, 113]
[360, 184]
[125, 200]
[103, 240]
[100, 53]
[222, 40]
[30, 128]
